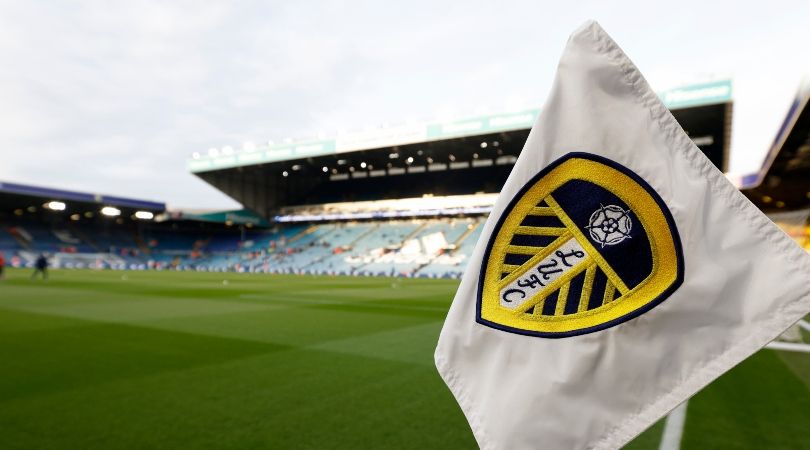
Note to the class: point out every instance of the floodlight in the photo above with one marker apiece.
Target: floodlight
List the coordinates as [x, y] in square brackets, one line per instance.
[55, 206]
[145, 215]
[110, 211]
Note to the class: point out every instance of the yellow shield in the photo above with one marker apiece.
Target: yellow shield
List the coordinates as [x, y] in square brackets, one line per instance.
[585, 245]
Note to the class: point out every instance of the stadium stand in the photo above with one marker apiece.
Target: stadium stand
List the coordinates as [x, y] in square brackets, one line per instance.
[7, 242]
[410, 247]
[412, 209]
[416, 247]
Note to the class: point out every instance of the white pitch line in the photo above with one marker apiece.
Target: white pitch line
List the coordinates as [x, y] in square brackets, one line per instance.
[789, 346]
[673, 428]
[804, 325]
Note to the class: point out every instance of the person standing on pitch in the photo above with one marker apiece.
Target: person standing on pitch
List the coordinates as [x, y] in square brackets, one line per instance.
[2, 264]
[41, 266]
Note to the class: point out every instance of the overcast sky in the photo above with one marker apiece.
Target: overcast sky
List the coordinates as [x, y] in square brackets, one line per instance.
[113, 97]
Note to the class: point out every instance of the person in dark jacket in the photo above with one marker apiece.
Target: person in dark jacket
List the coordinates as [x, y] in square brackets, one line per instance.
[41, 267]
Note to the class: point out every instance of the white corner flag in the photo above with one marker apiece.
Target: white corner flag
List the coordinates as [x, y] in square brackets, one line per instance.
[618, 273]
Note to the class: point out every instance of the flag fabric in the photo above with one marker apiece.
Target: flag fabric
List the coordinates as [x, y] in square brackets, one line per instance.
[618, 273]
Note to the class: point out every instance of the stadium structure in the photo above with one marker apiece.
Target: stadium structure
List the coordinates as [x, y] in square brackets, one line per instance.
[406, 200]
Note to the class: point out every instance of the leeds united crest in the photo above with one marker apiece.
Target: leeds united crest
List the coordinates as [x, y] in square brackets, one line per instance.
[585, 245]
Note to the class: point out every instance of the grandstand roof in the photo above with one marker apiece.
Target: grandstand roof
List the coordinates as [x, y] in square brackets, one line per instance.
[16, 195]
[783, 182]
[712, 93]
[443, 159]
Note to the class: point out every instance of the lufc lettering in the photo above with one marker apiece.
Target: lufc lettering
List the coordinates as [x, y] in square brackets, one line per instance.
[542, 274]
[545, 272]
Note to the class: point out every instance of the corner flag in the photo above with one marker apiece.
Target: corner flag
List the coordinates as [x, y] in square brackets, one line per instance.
[618, 273]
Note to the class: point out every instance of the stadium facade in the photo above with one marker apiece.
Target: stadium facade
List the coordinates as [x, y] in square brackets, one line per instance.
[405, 200]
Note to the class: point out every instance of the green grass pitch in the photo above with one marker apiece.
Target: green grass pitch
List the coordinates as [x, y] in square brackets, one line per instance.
[167, 360]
